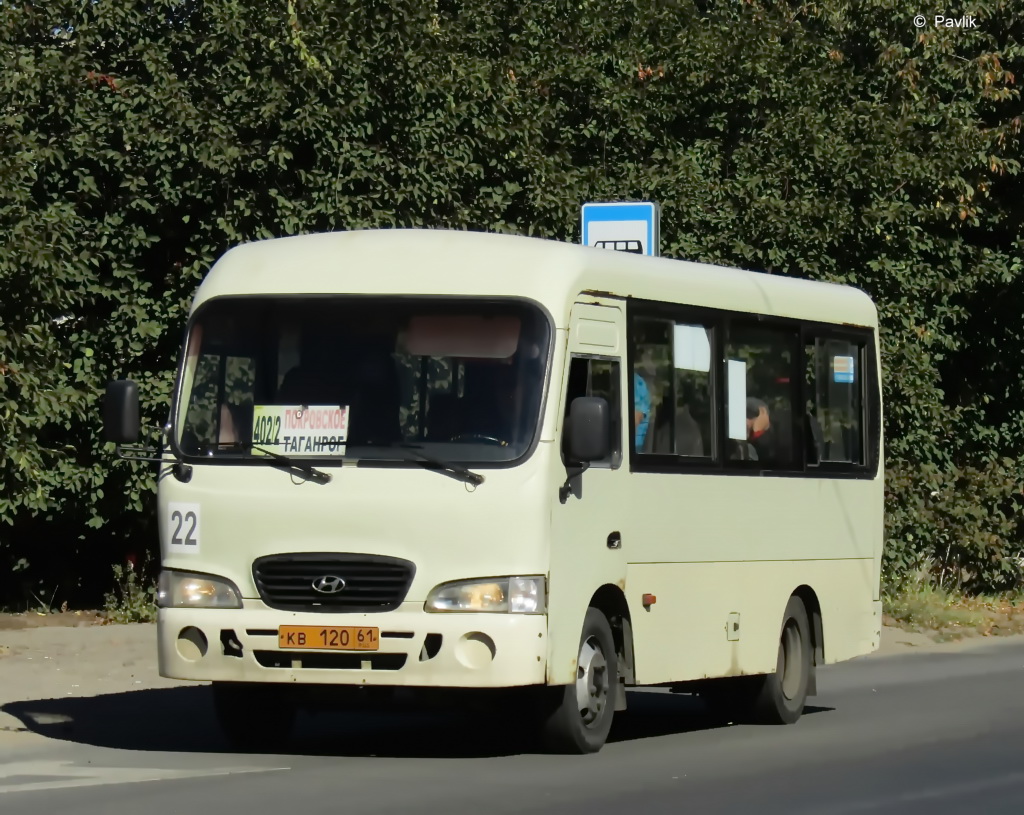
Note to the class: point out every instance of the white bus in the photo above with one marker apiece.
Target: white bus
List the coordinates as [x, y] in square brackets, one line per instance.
[431, 459]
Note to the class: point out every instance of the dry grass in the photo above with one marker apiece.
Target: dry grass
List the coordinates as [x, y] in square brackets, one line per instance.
[948, 615]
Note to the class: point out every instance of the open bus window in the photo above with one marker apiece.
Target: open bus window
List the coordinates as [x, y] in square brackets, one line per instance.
[596, 377]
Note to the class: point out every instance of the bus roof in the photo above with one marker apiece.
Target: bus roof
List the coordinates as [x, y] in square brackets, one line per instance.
[448, 262]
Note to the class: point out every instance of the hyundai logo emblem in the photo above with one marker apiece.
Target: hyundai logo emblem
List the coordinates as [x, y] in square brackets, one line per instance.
[328, 584]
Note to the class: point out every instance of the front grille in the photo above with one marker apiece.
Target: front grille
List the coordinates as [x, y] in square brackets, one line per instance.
[371, 582]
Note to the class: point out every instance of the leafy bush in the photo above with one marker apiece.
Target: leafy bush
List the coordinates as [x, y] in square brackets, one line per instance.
[831, 141]
[133, 599]
[960, 526]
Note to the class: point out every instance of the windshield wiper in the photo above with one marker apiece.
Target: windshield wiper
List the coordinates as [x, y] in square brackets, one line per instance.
[311, 473]
[436, 464]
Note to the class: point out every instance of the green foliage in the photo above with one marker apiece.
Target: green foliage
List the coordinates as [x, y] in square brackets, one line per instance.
[133, 599]
[970, 517]
[833, 141]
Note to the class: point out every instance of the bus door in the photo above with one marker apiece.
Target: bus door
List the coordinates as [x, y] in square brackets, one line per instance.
[587, 517]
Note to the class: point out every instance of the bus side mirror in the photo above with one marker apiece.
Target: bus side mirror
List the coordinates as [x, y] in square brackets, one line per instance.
[121, 412]
[590, 425]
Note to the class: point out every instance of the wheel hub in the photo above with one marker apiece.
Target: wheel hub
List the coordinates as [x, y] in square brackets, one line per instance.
[790, 660]
[591, 681]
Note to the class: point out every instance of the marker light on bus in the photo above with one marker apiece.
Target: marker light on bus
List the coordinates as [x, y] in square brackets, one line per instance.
[515, 595]
[183, 590]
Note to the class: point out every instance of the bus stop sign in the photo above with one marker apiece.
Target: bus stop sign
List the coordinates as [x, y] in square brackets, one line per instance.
[626, 226]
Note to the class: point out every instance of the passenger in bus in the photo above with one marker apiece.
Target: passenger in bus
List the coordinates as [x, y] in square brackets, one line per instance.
[641, 410]
[235, 425]
[760, 433]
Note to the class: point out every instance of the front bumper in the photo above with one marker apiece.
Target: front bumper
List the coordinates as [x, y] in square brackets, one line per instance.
[417, 649]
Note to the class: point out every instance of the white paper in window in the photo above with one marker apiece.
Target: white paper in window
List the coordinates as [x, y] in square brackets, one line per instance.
[737, 391]
[691, 351]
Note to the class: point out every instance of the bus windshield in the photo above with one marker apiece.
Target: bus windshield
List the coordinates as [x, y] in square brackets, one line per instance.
[366, 379]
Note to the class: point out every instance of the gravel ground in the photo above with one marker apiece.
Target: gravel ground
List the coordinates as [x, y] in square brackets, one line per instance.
[55, 662]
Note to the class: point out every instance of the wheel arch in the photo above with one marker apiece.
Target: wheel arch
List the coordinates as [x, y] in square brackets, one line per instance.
[812, 606]
[611, 602]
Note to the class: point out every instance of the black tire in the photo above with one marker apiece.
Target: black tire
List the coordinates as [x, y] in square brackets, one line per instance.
[254, 717]
[775, 698]
[573, 726]
[781, 697]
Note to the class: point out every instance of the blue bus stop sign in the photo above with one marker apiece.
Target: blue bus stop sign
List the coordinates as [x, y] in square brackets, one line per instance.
[626, 226]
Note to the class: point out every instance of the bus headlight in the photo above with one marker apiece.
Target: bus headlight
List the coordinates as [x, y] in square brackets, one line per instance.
[184, 590]
[513, 595]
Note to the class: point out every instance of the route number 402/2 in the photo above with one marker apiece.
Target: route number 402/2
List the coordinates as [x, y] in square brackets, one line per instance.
[183, 528]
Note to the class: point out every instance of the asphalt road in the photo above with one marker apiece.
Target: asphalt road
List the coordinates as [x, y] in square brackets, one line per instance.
[927, 732]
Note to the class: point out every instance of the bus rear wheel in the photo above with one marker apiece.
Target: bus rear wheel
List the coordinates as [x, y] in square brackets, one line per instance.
[254, 717]
[782, 695]
[775, 698]
[582, 715]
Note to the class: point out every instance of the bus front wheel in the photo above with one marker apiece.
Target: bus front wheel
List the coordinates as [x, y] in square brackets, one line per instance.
[582, 714]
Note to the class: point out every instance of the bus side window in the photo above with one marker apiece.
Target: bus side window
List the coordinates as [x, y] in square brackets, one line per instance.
[835, 400]
[596, 377]
[767, 360]
[674, 361]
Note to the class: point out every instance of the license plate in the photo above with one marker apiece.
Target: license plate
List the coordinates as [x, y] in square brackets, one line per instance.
[330, 638]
